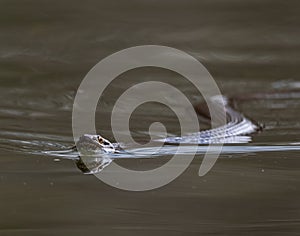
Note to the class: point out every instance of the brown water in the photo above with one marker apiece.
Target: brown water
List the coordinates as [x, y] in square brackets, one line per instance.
[47, 47]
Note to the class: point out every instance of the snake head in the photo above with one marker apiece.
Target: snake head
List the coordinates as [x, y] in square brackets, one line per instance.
[94, 144]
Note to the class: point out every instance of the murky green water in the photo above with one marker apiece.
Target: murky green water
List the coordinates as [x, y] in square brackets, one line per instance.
[47, 47]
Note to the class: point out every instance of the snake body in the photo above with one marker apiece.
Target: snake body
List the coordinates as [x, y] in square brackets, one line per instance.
[236, 130]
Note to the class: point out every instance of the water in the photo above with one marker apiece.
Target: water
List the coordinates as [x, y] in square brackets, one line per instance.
[46, 48]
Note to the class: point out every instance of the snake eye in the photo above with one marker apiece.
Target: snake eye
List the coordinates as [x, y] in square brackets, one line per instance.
[100, 140]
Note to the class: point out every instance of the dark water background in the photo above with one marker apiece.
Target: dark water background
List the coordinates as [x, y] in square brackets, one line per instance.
[47, 47]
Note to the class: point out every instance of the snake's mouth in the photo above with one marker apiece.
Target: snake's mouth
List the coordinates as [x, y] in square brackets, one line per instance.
[93, 144]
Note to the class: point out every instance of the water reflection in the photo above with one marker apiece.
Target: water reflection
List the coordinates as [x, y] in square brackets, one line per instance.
[96, 163]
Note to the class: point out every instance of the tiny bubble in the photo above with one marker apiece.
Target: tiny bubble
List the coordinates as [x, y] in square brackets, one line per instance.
[262, 170]
[56, 160]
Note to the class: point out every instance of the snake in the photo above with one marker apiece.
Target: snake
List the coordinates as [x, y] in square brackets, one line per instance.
[236, 130]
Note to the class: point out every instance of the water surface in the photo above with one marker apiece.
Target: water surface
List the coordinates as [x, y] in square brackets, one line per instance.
[47, 47]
